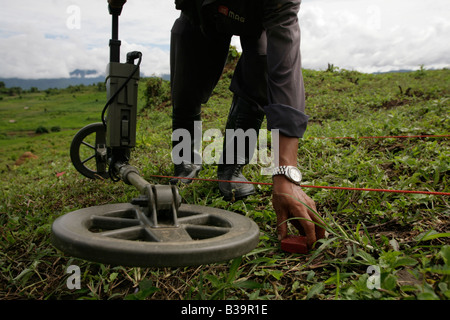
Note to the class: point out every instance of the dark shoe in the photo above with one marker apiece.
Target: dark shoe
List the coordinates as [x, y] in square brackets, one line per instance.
[243, 115]
[233, 190]
[185, 170]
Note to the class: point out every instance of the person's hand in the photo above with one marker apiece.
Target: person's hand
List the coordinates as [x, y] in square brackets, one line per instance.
[287, 201]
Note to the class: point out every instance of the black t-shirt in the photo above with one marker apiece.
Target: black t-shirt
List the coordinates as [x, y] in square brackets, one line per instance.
[235, 17]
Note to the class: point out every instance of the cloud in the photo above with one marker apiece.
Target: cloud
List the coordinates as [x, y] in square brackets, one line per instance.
[55, 37]
[374, 36]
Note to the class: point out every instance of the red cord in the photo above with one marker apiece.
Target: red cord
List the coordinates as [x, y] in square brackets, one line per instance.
[309, 186]
[386, 137]
[337, 188]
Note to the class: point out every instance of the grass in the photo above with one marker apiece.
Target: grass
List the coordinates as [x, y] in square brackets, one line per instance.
[406, 236]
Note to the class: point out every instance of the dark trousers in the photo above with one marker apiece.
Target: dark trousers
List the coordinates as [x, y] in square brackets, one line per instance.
[268, 75]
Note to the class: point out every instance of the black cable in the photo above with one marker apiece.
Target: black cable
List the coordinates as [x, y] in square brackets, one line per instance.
[120, 89]
[113, 176]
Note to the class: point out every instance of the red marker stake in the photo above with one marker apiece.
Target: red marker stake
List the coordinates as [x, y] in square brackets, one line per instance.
[294, 244]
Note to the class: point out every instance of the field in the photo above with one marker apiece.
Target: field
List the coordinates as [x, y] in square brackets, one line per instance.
[405, 236]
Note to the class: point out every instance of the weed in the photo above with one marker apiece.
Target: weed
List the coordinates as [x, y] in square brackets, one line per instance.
[405, 236]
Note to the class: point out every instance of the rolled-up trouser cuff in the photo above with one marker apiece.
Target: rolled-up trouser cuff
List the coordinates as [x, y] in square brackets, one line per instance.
[289, 121]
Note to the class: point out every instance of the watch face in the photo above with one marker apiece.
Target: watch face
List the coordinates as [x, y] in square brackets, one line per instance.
[295, 174]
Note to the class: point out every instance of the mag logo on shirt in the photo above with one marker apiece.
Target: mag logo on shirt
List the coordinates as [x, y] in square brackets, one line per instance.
[230, 14]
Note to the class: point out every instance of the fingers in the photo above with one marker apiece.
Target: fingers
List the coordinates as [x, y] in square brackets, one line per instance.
[282, 216]
[319, 230]
[296, 223]
[308, 226]
[287, 207]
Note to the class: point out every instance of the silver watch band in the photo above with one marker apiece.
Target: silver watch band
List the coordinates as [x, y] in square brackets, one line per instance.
[280, 170]
[290, 172]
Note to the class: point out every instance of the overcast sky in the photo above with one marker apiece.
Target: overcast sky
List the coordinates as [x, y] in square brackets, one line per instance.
[51, 38]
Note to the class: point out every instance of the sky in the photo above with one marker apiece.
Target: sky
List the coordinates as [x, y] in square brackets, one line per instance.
[51, 38]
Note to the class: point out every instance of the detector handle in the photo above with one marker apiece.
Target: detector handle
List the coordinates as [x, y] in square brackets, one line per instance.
[115, 6]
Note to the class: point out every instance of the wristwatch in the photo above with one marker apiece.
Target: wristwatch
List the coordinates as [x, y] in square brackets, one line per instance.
[291, 172]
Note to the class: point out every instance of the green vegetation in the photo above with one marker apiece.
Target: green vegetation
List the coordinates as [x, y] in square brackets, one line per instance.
[405, 235]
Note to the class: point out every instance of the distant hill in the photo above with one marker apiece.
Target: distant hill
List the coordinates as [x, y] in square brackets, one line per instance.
[44, 84]
[86, 77]
[58, 83]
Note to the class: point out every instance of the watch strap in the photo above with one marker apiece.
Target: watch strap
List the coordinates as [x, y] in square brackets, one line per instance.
[280, 170]
[285, 170]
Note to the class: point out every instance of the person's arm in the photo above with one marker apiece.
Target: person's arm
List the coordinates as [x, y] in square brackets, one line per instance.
[288, 198]
[285, 112]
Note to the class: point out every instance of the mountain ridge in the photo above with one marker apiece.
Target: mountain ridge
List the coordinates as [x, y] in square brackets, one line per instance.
[58, 83]
[84, 77]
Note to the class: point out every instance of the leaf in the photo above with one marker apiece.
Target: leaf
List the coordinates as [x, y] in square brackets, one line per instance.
[59, 174]
[213, 279]
[445, 254]
[315, 290]
[23, 273]
[310, 275]
[265, 260]
[233, 269]
[404, 261]
[427, 296]
[248, 284]
[366, 257]
[444, 289]
[445, 270]
[421, 236]
[435, 236]
[113, 276]
[254, 295]
[394, 244]
[146, 289]
[427, 293]
[390, 282]
[277, 274]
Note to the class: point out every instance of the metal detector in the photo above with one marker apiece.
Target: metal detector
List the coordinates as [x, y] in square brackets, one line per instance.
[155, 229]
